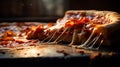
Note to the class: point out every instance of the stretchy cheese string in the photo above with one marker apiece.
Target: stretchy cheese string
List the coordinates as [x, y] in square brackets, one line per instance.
[50, 36]
[88, 40]
[80, 36]
[60, 35]
[73, 37]
[96, 39]
[54, 33]
[100, 44]
[89, 43]
[92, 41]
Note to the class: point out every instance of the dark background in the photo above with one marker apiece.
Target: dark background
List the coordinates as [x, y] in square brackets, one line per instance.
[35, 9]
[112, 5]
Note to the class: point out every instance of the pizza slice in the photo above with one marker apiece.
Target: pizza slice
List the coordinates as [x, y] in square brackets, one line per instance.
[84, 28]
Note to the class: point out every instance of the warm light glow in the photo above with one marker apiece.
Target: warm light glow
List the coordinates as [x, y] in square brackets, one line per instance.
[41, 26]
[33, 27]
[23, 39]
[69, 23]
[58, 26]
[45, 27]
[9, 33]
[33, 51]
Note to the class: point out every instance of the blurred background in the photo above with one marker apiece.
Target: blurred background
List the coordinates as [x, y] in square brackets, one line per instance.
[49, 10]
